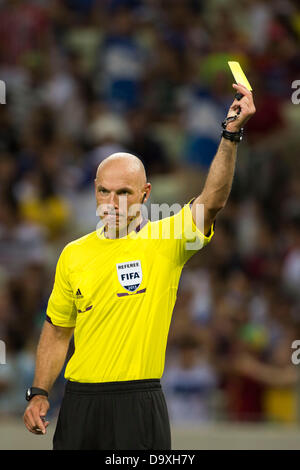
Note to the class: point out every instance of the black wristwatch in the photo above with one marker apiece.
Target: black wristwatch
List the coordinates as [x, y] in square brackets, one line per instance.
[33, 391]
[233, 136]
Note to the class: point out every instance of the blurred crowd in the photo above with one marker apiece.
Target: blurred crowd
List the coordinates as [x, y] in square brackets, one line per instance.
[87, 78]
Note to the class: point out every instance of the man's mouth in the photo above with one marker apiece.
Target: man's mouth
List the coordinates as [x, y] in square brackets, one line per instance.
[111, 214]
[112, 218]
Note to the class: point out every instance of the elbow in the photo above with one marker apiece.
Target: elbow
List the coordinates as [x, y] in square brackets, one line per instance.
[213, 205]
[214, 209]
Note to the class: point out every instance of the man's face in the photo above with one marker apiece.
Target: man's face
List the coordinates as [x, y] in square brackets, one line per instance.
[119, 194]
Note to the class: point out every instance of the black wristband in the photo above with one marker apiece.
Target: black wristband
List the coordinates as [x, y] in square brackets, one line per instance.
[233, 136]
[33, 391]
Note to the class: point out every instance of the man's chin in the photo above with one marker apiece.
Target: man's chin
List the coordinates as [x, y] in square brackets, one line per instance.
[111, 221]
[114, 226]
[117, 225]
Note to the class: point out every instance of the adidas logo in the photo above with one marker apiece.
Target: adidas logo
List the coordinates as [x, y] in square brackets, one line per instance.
[79, 294]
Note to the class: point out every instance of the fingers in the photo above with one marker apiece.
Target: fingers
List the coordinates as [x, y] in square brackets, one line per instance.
[34, 417]
[240, 103]
[242, 89]
[31, 424]
[241, 107]
[247, 97]
[39, 423]
[35, 428]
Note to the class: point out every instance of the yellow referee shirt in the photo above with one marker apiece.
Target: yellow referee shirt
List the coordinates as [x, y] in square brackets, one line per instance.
[119, 295]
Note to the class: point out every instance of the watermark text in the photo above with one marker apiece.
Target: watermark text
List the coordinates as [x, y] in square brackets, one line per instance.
[2, 352]
[296, 94]
[2, 92]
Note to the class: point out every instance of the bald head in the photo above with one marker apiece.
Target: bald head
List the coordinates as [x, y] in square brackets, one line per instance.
[121, 187]
[128, 165]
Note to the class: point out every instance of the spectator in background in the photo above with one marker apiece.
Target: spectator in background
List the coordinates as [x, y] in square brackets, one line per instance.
[144, 144]
[121, 62]
[24, 27]
[291, 263]
[40, 204]
[190, 383]
[21, 242]
[8, 138]
[107, 133]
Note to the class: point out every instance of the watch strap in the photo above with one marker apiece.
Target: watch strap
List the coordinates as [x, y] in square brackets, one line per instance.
[33, 391]
[233, 136]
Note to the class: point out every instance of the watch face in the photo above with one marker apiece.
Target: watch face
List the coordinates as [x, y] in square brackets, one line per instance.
[28, 393]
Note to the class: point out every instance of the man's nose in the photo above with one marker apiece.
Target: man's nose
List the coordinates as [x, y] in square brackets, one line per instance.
[114, 200]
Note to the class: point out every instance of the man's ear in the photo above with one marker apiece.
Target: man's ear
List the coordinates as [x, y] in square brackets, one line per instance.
[148, 190]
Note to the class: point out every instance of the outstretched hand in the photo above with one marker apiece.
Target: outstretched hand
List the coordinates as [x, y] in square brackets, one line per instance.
[244, 107]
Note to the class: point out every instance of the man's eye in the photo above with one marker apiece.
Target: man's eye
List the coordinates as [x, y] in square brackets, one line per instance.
[103, 191]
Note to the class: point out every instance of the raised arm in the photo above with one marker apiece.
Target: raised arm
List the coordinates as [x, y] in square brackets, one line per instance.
[220, 176]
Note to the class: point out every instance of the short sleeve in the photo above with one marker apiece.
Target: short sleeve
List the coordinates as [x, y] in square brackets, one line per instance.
[185, 238]
[61, 309]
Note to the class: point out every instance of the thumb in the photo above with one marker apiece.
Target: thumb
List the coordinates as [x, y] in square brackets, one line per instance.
[44, 407]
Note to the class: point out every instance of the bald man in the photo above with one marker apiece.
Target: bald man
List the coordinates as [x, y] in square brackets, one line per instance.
[115, 289]
[120, 187]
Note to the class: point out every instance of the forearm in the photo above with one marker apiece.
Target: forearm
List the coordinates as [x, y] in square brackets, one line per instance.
[267, 374]
[51, 354]
[220, 176]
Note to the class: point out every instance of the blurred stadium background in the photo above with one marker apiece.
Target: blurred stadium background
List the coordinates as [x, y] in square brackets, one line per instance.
[86, 78]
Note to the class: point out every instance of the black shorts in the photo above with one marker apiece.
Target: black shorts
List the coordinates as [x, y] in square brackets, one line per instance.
[129, 415]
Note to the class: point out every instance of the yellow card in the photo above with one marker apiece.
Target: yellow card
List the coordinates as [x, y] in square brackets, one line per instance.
[239, 75]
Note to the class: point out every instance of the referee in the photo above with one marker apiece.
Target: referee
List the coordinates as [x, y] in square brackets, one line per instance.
[115, 290]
